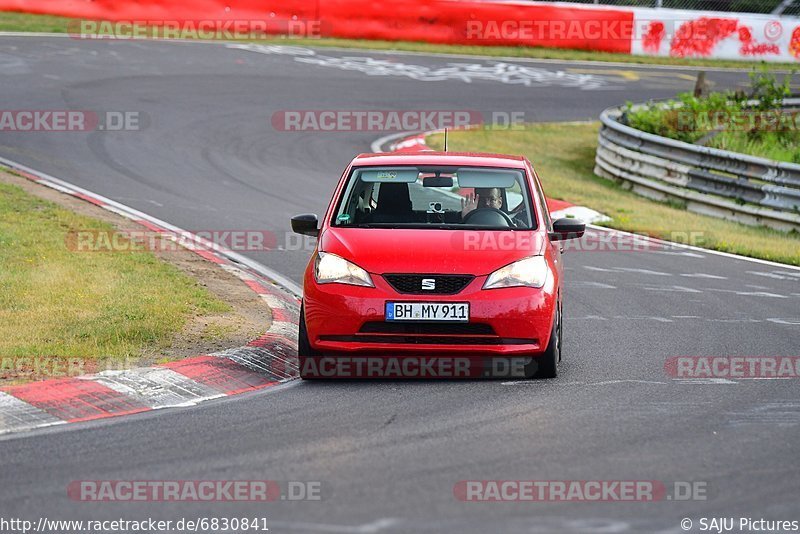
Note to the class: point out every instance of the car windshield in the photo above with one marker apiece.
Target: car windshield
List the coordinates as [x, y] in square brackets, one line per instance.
[435, 197]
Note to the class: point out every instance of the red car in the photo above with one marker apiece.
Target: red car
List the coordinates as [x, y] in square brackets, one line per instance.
[434, 264]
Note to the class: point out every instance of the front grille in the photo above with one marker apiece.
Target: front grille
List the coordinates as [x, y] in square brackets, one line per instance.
[446, 329]
[445, 284]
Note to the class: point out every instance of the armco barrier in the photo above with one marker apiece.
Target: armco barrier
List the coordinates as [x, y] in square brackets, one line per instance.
[662, 32]
[738, 187]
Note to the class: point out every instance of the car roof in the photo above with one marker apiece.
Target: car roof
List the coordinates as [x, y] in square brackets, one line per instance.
[441, 158]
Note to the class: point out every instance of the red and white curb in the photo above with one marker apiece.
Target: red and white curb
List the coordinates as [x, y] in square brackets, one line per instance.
[415, 143]
[267, 361]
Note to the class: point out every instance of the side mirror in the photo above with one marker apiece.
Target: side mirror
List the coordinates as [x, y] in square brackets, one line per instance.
[305, 224]
[567, 229]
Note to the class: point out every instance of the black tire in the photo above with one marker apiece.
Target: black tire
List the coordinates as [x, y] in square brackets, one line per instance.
[546, 364]
[304, 349]
[560, 330]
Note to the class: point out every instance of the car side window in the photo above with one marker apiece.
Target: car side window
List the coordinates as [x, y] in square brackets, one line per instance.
[543, 204]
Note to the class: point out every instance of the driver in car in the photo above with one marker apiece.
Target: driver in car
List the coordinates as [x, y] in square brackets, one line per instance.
[483, 197]
[489, 197]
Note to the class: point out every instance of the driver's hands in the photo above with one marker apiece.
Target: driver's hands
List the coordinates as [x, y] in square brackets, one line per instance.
[469, 203]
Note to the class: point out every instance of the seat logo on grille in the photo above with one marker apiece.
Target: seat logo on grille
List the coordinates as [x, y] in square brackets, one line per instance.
[428, 284]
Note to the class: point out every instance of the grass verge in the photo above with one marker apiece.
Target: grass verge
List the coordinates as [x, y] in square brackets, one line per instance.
[24, 22]
[57, 303]
[564, 153]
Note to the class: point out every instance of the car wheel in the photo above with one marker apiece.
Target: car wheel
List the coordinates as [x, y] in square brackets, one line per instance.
[304, 349]
[546, 364]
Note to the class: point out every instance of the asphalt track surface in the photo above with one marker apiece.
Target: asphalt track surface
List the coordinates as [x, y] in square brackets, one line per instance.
[389, 453]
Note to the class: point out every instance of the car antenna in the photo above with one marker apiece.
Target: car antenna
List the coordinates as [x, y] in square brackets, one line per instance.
[445, 139]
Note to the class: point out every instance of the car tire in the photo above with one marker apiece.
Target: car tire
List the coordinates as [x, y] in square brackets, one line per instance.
[560, 331]
[546, 364]
[304, 349]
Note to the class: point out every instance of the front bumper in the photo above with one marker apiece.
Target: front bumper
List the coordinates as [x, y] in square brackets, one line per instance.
[344, 319]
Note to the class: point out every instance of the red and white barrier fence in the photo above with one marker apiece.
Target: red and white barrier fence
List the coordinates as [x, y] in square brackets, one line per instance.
[677, 33]
[660, 32]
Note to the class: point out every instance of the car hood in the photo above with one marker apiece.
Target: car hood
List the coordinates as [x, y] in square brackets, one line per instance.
[391, 250]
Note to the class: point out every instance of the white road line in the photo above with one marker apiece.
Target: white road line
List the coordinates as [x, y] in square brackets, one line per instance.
[704, 381]
[674, 253]
[768, 275]
[672, 289]
[704, 275]
[612, 382]
[642, 271]
[750, 293]
[599, 269]
[538, 383]
[644, 318]
[789, 321]
[599, 285]
[698, 249]
[644, 66]
[587, 318]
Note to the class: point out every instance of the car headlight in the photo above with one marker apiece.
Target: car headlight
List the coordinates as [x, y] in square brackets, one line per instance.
[332, 269]
[530, 272]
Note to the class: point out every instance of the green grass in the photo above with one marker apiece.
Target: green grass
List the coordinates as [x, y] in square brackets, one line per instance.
[770, 145]
[564, 153]
[90, 305]
[13, 21]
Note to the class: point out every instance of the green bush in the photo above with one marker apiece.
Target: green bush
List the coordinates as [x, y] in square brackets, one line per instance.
[726, 120]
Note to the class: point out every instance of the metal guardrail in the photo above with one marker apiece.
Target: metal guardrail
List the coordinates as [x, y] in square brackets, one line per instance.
[729, 185]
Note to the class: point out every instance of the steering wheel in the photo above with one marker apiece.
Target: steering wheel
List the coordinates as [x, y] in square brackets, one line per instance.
[520, 217]
[488, 217]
